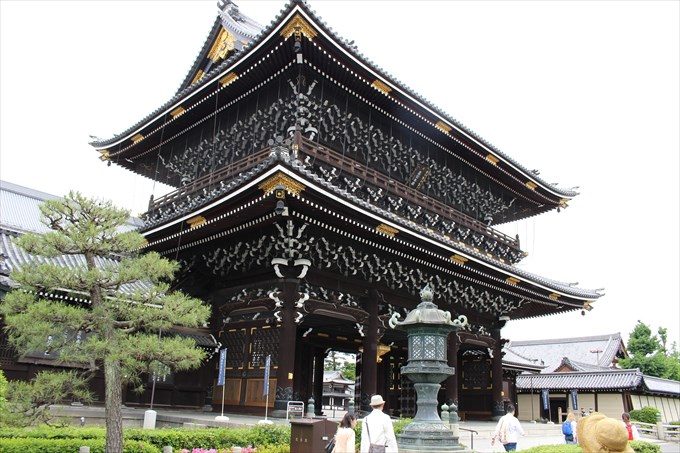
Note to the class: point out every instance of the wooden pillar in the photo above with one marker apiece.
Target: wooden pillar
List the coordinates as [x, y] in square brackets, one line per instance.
[319, 356]
[369, 357]
[287, 337]
[452, 381]
[498, 409]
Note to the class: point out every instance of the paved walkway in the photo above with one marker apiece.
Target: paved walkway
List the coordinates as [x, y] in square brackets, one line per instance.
[537, 434]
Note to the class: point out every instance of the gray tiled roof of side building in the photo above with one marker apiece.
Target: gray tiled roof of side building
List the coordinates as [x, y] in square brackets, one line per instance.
[552, 351]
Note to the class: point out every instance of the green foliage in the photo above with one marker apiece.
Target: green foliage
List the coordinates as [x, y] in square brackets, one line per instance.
[23, 445]
[178, 438]
[115, 325]
[398, 426]
[349, 371]
[274, 449]
[650, 354]
[117, 321]
[554, 449]
[641, 446]
[3, 392]
[29, 402]
[645, 415]
[675, 423]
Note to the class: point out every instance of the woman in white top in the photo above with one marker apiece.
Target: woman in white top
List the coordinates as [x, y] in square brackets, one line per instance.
[344, 437]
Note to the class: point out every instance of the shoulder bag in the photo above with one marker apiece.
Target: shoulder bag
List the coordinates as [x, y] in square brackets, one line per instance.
[373, 448]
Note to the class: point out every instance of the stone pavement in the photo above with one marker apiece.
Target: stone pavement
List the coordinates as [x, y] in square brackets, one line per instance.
[537, 434]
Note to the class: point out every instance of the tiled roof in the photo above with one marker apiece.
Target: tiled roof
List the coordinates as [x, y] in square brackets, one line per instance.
[578, 349]
[513, 358]
[19, 208]
[659, 385]
[20, 213]
[336, 377]
[612, 379]
[580, 366]
[581, 380]
[261, 37]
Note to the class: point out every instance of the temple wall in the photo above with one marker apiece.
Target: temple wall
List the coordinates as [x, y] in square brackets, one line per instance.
[669, 407]
[610, 404]
[524, 403]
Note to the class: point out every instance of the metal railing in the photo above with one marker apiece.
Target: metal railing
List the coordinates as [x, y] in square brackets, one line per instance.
[318, 151]
[348, 165]
[472, 436]
[662, 431]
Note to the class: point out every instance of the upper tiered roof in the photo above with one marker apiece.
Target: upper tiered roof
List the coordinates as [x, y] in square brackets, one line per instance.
[235, 51]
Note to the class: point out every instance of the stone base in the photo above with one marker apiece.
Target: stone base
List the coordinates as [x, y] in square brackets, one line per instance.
[278, 413]
[458, 449]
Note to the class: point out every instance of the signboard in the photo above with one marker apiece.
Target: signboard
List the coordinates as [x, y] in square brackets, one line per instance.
[295, 409]
[267, 364]
[545, 397]
[223, 366]
[574, 399]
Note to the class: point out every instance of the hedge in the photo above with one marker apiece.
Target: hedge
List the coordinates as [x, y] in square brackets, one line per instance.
[178, 438]
[637, 445]
[647, 414]
[23, 445]
[641, 446]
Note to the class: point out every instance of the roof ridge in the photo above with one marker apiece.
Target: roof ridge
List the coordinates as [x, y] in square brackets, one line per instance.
[565, 340]
[26, 191]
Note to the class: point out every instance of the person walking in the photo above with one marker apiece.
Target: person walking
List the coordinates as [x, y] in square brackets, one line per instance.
[569, 429]
[345, 437]
[377, 432]
[508, 430]
[631, 428]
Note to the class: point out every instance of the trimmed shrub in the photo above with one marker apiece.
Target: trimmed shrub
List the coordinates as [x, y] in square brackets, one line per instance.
[647, 414]
[177, 438]
[274, 449]
[554, 449]
[641, 446]
[48, 432]
[42, 445]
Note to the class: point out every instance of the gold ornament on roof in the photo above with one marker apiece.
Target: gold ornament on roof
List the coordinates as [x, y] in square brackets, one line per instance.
[225, 43]
[298, 25]
[387, 230]
[289, 184]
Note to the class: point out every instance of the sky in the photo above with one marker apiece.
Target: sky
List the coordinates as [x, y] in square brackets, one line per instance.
[586, 92]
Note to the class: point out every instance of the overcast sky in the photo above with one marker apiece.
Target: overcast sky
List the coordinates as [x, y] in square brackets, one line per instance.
[587, 92]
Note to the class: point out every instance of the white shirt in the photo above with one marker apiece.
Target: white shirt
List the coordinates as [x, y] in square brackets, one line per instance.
[511, 426]
[381, 431]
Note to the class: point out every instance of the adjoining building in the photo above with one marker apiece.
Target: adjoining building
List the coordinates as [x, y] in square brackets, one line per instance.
[581, 375]
[316, 195]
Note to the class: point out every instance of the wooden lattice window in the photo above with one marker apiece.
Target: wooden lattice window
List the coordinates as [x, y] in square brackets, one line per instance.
[264, 341]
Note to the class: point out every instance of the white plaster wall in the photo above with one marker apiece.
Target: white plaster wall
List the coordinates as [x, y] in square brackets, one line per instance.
[610, 404]
[524, 401]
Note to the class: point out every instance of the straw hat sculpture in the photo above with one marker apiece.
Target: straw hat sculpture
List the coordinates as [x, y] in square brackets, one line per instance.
[598, 433]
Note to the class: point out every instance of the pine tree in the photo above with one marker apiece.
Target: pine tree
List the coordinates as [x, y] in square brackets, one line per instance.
[128, 301]
[650, 354]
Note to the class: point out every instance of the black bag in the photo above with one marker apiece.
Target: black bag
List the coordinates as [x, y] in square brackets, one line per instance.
[330, 446]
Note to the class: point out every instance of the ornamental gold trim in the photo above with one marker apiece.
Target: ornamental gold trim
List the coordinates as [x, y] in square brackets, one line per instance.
[197, 77]
[531, 185]
[137, 138]
[228, 79]
[104, 155]
[553, 296]
[458, 259]
[493, 159]
[289, 184]
[298, 25]
[442, 126]
[564, 203]
[381, 86]
[224, 43]
[196, 221]
[386, 230]
[512, 281]
[177, 112]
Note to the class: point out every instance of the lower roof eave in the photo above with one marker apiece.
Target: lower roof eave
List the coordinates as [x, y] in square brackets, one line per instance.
[365, 209]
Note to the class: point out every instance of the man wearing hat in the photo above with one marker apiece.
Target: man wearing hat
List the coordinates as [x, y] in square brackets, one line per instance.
[377, 430]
